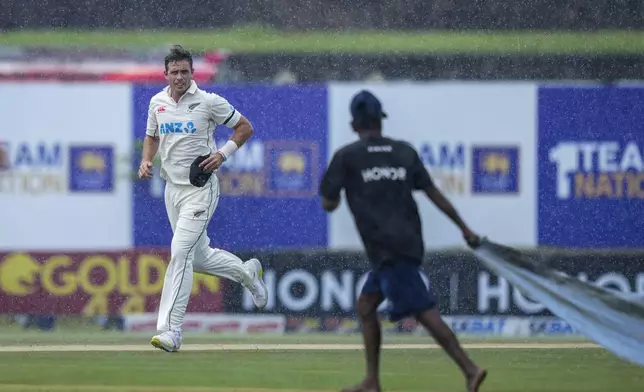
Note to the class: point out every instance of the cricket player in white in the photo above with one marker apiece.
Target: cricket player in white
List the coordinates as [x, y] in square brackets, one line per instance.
[181, 122]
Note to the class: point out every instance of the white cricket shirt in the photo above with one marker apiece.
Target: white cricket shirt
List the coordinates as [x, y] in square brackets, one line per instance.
[186, 128]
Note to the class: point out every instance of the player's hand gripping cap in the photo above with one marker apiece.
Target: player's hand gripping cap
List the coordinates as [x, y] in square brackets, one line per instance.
[198, 177]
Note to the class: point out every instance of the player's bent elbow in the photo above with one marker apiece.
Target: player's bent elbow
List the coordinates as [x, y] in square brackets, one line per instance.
[251, 130]
[244, 129]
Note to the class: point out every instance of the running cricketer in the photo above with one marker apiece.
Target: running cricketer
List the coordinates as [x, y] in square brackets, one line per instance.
[181, 121]
[379, 176]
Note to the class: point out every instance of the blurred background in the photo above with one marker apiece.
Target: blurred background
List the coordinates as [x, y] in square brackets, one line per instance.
[528, 115]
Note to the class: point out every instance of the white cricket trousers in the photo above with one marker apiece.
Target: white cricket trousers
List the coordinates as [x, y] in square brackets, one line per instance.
[189, 210]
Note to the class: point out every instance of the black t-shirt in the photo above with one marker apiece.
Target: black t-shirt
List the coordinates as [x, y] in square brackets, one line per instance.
[379, 176]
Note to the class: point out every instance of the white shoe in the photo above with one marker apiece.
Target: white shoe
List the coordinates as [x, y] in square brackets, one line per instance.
[169, 341]
[258, 288]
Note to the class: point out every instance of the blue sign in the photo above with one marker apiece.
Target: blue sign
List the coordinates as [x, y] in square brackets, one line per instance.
[91, 169]
[478, 325]
[550, 326]
[495, 170]
[268, 187]
[590, 167]
[293, 169]
[38, 154]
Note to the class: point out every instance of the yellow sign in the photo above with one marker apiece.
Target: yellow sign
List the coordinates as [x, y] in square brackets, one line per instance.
[95, 275]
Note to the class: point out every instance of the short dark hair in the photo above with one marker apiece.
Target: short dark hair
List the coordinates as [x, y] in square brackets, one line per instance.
[177, 53]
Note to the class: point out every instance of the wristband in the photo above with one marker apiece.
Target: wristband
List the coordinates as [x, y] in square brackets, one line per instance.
[228, 149]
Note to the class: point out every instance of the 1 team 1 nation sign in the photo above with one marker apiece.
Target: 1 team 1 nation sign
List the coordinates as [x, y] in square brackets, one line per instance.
[97, 283]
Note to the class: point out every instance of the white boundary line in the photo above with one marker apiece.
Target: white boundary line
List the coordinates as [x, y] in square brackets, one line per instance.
[276, 347]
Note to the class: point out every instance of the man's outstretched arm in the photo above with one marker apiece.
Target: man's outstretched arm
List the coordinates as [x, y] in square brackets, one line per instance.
[443, 204]
[422, 180]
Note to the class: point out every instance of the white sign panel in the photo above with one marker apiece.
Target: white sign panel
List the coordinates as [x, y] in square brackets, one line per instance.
[66, 183]
[214, 323]
[478, 141]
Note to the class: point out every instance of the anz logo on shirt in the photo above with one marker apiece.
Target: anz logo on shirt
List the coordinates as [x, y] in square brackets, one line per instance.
[384, 173]
[177, 127]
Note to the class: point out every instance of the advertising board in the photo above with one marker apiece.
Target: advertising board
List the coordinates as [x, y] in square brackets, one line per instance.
[462, 325]
[68, 149]
[327, 285]
[268, 188]
[476, 139]
[591, 171]
[94, 283]
[315, 286]
[212, 323]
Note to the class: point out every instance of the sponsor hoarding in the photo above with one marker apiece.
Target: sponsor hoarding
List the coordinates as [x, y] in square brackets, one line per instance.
[96, 283]
[68, 148]
[214, 323]
[591, 170]
[327, 285]
[476, 139]
[479, 141]
[302, 287]
[269, 187]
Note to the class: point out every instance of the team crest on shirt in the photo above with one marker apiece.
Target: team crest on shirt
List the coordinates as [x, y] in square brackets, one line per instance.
[192, 107]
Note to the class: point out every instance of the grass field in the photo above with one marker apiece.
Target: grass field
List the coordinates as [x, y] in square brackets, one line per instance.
[295, 363]
[258, 40]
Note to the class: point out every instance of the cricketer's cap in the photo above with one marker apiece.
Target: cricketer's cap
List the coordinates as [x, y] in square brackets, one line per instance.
[366, 108]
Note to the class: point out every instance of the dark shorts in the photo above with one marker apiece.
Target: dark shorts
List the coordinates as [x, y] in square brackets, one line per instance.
[403, 286]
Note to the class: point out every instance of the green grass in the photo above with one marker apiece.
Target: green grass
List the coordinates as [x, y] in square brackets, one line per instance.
[258, 40]
[587, 370]
[92, 336]
[511, 370]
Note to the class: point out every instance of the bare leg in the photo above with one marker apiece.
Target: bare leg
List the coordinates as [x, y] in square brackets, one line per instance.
[441, 332]
[372, 337]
